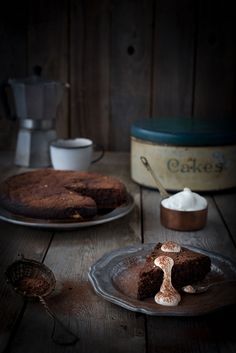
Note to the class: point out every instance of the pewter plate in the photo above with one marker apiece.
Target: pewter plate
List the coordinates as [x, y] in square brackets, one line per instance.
[68, 224]
[114, 277]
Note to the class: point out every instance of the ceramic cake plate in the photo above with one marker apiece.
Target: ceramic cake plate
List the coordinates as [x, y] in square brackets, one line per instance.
[114, 277]
[68, 224]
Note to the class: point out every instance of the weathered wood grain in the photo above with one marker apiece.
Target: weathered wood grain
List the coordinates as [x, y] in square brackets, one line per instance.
[215, 61]
[125, 60]
[173, 60]
[131, 64]
[48, 47]
[192, 335]
[101, 326]
[16, 240]
[89, 68]
[226, 204]
[213, 237]
[13, 44]
[187, 334]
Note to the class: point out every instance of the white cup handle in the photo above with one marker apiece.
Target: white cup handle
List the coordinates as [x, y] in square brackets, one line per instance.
[101, 154]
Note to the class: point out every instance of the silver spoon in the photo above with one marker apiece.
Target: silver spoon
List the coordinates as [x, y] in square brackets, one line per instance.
[160, 187]
[198, 288]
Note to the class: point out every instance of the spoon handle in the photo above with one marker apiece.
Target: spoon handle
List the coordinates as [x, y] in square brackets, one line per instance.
[202, 288]
[160, 187]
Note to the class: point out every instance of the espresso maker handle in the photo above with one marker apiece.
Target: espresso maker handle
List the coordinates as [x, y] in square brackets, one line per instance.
[7, 101]
[37, 70]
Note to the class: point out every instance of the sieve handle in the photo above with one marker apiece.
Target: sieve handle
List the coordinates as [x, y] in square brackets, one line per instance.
[74, 338]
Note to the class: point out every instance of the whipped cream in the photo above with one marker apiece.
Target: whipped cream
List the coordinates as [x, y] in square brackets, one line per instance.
[170, 246]
[185, 200]
[167, 295]
[189, 289]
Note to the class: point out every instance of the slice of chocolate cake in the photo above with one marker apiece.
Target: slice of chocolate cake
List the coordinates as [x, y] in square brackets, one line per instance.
[189, 267]
[108, 192]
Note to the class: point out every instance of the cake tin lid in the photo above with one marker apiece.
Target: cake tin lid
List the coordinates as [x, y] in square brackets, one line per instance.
[185, 131]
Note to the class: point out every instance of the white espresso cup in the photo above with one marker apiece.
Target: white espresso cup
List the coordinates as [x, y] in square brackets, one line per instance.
[73, 154]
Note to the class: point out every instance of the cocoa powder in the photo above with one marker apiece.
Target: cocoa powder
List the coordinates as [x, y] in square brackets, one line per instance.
[33, 286]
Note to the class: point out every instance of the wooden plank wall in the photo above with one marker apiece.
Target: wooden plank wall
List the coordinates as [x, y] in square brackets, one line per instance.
[13, 60]
[124, 60]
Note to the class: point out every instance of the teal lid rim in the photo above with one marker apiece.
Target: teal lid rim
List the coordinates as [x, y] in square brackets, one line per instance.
[141, 130]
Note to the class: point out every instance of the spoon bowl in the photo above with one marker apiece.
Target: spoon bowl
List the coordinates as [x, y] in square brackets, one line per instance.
[202, 288]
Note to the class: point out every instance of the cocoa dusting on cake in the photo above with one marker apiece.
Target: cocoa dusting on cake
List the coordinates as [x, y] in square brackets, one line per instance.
[189, 267]
[57, 194]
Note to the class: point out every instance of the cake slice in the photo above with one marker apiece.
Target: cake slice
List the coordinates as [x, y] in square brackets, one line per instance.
[189, 267]
[108, 192]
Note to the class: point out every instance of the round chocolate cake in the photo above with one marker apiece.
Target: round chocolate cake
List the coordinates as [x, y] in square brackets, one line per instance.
[57, 194]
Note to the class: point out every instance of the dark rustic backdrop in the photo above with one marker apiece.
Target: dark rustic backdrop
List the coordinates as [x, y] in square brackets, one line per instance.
[124, 60]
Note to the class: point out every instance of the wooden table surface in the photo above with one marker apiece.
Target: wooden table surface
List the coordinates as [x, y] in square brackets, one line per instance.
[101, 325]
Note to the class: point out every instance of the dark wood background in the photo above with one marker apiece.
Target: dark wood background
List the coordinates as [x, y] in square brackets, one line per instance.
[124, 60]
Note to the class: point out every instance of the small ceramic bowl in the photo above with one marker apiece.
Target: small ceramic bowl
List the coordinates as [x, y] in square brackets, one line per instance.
[183, 220]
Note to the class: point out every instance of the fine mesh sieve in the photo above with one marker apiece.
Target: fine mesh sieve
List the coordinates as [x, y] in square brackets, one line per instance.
[34, 280]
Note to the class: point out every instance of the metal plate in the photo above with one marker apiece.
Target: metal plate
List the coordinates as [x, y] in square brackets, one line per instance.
[114, 277]
[67, 224]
